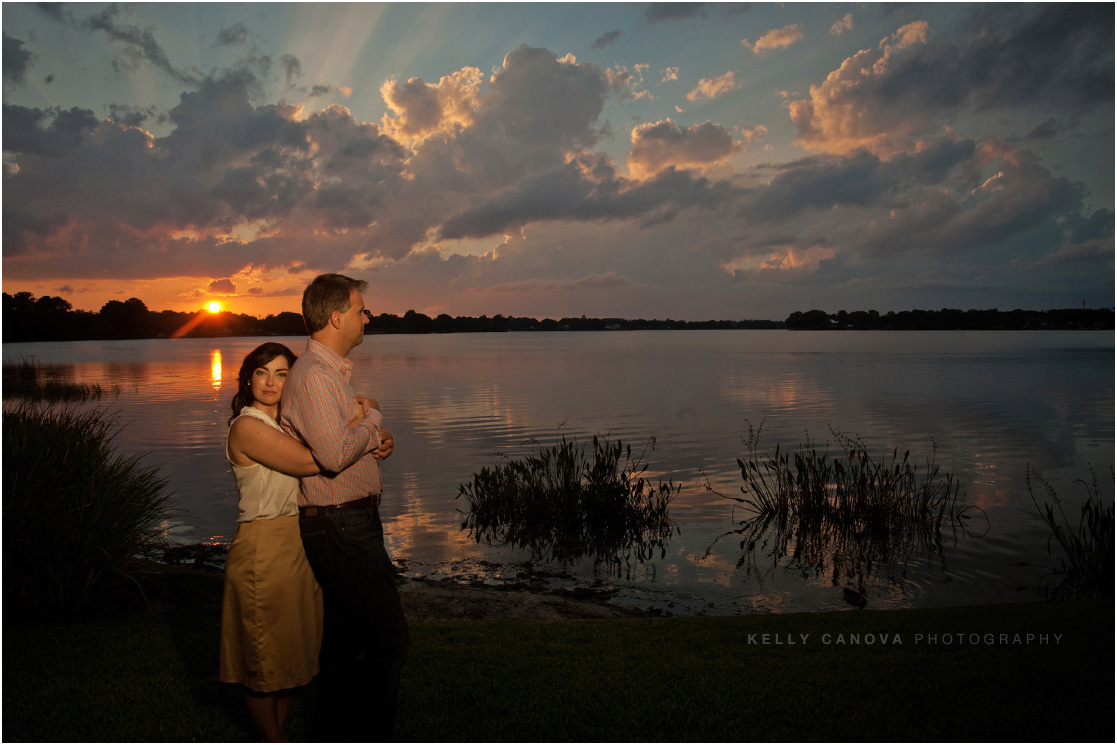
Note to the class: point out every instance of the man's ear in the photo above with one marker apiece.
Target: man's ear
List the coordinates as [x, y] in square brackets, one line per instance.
[335, 319]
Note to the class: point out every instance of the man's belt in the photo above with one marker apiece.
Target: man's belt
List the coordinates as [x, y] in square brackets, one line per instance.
[372, 500]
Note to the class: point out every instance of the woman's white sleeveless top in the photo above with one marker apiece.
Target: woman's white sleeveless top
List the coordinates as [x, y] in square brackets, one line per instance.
[264, 494]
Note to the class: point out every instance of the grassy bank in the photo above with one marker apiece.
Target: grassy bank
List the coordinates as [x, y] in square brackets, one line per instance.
[151, 676]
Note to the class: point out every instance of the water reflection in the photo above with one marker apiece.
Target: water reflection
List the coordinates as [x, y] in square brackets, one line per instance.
[215, 368]
[994, 402]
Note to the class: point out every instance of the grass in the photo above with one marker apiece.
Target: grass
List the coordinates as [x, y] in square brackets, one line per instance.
[566, 501]
[1086, 566]
[850, 516]
[76, 514]
[30, 380]
[151, 676]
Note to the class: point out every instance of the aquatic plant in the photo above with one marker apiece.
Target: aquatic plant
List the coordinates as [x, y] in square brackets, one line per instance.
[569, 501]
[851, 515]
[77, 515]
[30, 380]
[1086, 568]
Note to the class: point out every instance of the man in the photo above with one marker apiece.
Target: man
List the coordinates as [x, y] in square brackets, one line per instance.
[365, 638]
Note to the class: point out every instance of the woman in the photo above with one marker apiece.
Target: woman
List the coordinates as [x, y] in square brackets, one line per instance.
[271, 619]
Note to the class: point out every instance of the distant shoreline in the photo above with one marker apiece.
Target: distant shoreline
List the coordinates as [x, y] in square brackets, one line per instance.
[30, 319]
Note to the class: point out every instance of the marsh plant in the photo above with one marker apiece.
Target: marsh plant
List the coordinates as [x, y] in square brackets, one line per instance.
[851, 515]
[31, 380]
[77, 514]
[570, 501]
[1085, 569]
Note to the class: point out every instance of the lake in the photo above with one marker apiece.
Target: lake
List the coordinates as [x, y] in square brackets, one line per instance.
[994, 403]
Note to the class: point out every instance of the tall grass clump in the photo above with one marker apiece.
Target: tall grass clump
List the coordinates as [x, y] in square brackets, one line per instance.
[569, 501]
[1086, 568]
[34, 381]
[848, 514]
[77, 514]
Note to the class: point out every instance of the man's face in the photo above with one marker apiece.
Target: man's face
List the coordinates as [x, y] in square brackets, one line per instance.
[354, 320]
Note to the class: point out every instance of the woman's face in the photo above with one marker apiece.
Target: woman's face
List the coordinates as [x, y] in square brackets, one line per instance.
[267, 381]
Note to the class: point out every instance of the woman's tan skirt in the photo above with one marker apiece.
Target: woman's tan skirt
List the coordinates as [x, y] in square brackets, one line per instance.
[271, 616]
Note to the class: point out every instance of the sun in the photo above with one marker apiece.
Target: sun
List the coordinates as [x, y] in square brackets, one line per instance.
[214, 307]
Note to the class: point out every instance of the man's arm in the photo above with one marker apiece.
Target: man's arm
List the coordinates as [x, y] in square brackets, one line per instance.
[324, 426]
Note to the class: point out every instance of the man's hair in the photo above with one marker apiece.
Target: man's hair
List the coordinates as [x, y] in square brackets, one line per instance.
[327, 293]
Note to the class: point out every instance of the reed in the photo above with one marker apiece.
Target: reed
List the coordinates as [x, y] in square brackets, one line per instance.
[77, 515]
[570, 500]
[1085, 569]
[31, 380]
[851, 515]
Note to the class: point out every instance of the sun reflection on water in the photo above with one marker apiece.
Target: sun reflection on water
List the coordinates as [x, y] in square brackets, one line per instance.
[215, 368]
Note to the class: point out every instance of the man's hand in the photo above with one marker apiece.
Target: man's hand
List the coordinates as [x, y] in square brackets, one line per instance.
[387, 445]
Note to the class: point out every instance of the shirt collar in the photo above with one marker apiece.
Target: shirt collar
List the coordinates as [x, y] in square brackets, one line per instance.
[329, 358]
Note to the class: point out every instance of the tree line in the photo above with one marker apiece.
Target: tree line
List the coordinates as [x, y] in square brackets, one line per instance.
[952, 319]
[48, 318]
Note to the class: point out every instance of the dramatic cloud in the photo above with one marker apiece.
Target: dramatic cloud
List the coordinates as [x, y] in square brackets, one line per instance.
[422, 110]
[886, 99]
[931, 161]
[714, 87]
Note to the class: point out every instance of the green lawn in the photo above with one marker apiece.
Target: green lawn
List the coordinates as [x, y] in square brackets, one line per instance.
[151, 676]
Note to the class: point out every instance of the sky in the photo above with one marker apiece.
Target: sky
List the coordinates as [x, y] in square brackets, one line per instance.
[691, 161]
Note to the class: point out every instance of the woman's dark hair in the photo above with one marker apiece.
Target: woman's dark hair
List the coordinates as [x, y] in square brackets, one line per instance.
[258, 357]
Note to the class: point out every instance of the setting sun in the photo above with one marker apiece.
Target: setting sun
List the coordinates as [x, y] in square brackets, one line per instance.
[214, 307]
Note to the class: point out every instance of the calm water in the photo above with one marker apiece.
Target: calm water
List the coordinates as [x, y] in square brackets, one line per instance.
[993, 402]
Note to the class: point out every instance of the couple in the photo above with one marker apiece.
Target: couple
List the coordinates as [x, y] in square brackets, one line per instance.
[274, 603]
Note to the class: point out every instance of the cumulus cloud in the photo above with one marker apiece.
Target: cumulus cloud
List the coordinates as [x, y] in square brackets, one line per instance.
[660, 145]
[670, 73]
[887, 99]
[839, 115]
[422, 110]
[778, 38]
[511, 163]
[710, 88]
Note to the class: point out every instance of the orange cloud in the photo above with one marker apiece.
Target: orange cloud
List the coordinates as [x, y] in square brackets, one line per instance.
[422, 110]
[660, 145]
[710, 88]
[785, 260]
[778, 38]
[844, 114]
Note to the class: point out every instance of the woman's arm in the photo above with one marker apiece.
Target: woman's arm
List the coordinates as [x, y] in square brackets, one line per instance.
[252, 441]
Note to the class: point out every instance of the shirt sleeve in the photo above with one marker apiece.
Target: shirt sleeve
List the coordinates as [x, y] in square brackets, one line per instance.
[335, 445]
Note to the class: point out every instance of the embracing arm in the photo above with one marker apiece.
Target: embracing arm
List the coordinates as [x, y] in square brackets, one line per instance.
[328, 428]
[254, 441]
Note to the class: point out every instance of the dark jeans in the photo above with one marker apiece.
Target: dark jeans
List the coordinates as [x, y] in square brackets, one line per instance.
[365, 638]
